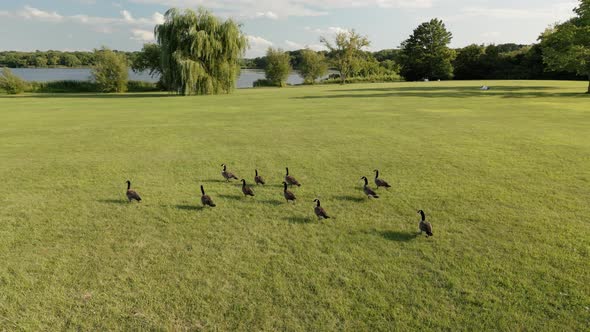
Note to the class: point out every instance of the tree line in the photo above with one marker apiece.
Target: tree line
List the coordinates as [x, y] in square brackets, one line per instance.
[199, 53]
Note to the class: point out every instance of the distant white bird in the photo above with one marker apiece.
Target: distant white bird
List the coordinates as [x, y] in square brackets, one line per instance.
[485, 88]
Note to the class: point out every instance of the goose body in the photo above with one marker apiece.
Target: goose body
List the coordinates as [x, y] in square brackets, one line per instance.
[258, 179]
[132, 195]
[380, 182]
[368, 191]
[291, 180]
[289, 196]
[246, 190]
[227, 175]
[205, 199]
[425, 226]
[319, 211]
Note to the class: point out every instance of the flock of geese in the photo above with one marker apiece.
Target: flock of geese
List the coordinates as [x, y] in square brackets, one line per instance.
[320, 212]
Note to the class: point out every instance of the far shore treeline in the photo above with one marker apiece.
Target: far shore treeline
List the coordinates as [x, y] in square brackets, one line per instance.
[198, 53]
[474, 62]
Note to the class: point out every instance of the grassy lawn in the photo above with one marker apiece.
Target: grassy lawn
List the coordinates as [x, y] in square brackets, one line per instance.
[503, 175]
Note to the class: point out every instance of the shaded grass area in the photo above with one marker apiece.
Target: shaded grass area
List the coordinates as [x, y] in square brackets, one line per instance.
[505, 182]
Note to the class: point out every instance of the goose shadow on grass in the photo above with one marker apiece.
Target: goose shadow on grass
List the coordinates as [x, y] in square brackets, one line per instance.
[189, 207]
[215, 181]
[232, 197]
[114, 201]
[350, 198]
[394, 235]
[298, 220]
[273, 202]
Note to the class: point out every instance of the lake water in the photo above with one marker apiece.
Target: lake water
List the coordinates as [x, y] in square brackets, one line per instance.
[246, 79]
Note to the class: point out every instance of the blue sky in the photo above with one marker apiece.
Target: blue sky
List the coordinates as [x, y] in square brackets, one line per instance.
[289, 24]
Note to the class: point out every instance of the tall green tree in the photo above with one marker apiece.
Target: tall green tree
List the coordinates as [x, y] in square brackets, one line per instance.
[110, 70]
[469, 64]
[346, 52]
[426, 53]
[567, 46]
[200, 54]
[313, 65]
[148, 59]
[278, 66]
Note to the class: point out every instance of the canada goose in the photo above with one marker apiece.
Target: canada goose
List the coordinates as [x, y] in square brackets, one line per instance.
[425, 226]
[132, 194]
[291, 180]
[205, 199]
[258, 179]
[368, 191]
[227, 175]
[289, 196]
[319, 211]
[247, 190]
[379, 182]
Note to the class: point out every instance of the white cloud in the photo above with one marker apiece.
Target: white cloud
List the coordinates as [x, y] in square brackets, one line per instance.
[293, 46]
[555, 12]
[126, 18]
[286, 8]
[268, 14]
[326, 31]
[158, 18]
[29, 12]
[142, 35]
[258, 46]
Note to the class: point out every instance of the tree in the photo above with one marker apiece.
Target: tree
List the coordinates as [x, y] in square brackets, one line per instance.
[200, 54]
[468, 64]
[110, 70]
[313, 65]
[426, 53]
[70, 60]
[347, 52]
[278, 66]
[567, 46]
[148, 59]
[41, 62]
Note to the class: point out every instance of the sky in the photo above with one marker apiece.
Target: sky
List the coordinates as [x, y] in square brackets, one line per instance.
[288, 24]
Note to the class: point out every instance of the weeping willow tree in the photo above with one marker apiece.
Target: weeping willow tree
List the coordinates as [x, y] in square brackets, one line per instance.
[200, 52]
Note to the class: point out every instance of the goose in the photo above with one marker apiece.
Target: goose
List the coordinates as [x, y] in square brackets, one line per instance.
[368, 191]
[132, 194]
[319, 211]
[227, 175]
[258, 179]
[425, 226]
[246, 190]
[289, 196]
[205, 199]
[379, 182]
[291, 180]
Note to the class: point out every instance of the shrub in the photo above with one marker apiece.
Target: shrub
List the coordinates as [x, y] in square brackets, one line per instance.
[140, 86]
[263, 83]
[110, 71]
[278, 66]
[64, 87]
[365, 79]
[11, 83]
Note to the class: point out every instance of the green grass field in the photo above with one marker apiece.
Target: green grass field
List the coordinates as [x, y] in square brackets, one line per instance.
[503, 175]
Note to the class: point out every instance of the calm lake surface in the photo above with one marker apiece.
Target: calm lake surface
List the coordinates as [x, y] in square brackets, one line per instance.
[246, 79]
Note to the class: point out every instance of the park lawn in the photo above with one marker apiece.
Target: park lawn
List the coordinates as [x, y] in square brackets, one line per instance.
[503, 175]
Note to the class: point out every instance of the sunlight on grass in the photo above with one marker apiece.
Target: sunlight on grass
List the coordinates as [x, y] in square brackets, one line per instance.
[503, 176]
